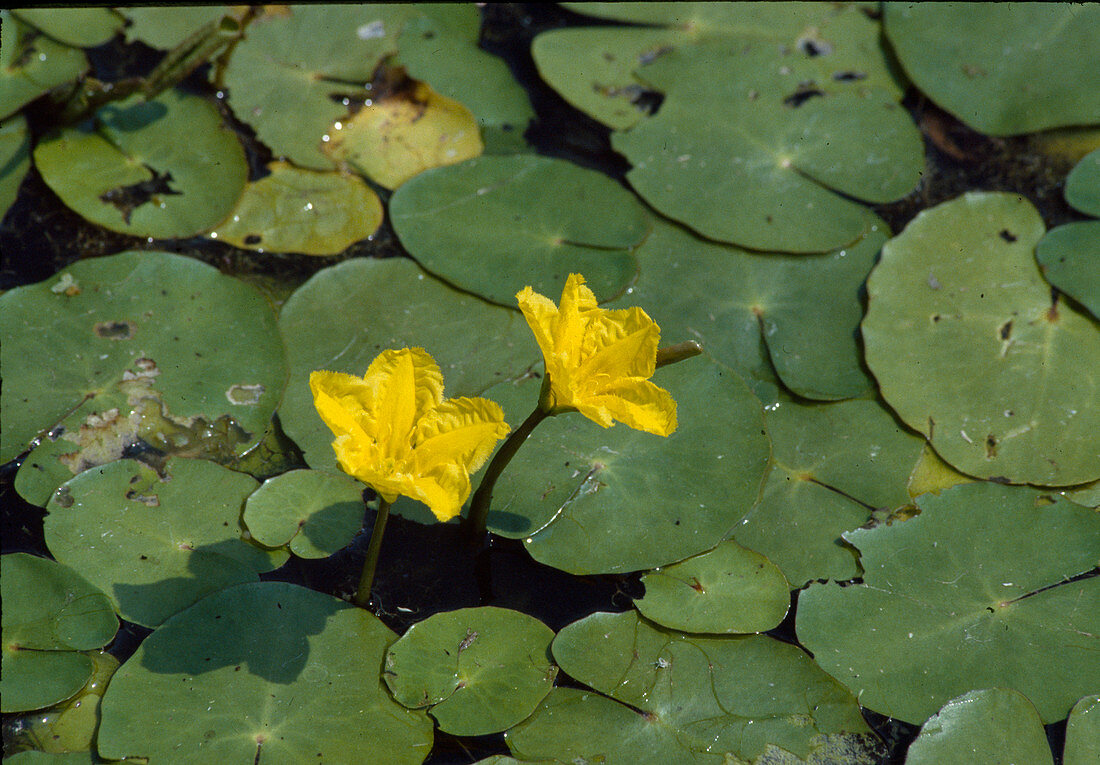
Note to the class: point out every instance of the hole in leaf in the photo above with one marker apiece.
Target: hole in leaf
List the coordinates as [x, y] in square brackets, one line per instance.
[849, 76]
[114, 330]
[1007, 235]
[801, 96]
[126, 199]
[1006, 330]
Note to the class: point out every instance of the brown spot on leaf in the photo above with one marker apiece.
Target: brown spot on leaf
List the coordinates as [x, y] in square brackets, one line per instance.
[990, 446]
[128, 198]
[114, 330]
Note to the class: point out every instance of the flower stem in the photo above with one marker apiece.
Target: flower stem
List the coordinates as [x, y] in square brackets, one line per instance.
[366, 579]
[479, 505]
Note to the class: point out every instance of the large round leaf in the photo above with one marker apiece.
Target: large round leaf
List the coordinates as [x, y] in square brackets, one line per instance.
[289, 77]
[166, 26]
[762, 314]
[476, 670]
[833, 465]
[589, 500]
[156, 544]
[346, 315]
[727, 590]
[312, 512]
[31, 64]
[680, 698]
[971, 593]
[495, 225]
[806, 106]
[50, 615]
[1083, 732]
[1002, 68]
[139, 346]
[79, 27]
[166, 168]
[295, 210]
[262, 672]
[986, 727]
[971, 351]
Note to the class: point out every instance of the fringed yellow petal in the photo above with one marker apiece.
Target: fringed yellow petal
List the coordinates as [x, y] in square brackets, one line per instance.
[338, 398]
[621, 344]
[405, 385]
[578, 305]
[460, 431]
[541, 315]
[639, 404]
[361, 459]
[443, 490]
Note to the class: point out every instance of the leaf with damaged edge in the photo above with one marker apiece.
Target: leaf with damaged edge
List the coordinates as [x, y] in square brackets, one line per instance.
[97, 360]
[974, 592]
[313, 513]
[969, 348]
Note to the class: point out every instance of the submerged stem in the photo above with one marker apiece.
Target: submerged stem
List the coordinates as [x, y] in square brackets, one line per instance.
[366, 579]
[479, 505]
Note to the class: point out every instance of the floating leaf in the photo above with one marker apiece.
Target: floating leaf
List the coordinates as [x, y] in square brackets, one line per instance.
[932, 474]
[476, 670]
[51, 614]
[70, 727]
[762, 314]
[32, 64]
[495, 225]
[266, 671]
[15, 159]
[401, 134]
[1083, 732]
[1070, 259]
[289, 76]
[312, 512]
[806, 107]
[985, 727]
[589, 500]
[1002, 69]
[1083, 184]
[136, 347]
[680, 698]
[136, 173]
[167, 26]
[305, 211]
[78, 27]
[972, 593]
[834, 464]
[729, 589]
[969, 349]
[347, 314]
[444, 52]
[156, 544]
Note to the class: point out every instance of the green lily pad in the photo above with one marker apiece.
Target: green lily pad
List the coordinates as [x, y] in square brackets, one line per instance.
[45, 758]
[1083, 732]
[314, 57]
[727, 590]
[680, 698]
[347, 314]
[496, 224]
[1002, 69]
[985, 727]
[1070, 259]
[156, 544]
[15, 159]
[51, 615]
[804, 117]
[71, 726]
[443, 51]
[167, 26]
[969, 349]
[834, 464]
[1083, 184]
[762, 314]
[476, 670]
[589, 500]
[971, 593]
[136, 347]
[78, 27]
[136, 173]
[305, 211]
[266, 671]
[32, 64]
[311, 512]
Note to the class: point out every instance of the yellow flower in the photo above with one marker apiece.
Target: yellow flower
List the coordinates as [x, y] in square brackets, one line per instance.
[599, 362]
[396, 433]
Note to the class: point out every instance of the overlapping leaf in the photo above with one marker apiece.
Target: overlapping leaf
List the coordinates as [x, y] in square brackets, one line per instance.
[974, 592]
[311, 512]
